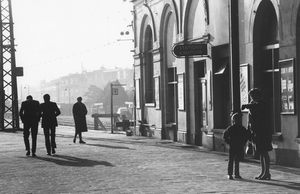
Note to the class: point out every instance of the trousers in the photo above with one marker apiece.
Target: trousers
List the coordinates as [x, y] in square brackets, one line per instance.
[26, 134]
[49, 133]
[235, 156]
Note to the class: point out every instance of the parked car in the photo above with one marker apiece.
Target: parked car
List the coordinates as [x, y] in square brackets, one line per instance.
[124, 113]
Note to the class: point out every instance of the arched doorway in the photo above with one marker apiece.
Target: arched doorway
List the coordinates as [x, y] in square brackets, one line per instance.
[169, 75]
[266, 56]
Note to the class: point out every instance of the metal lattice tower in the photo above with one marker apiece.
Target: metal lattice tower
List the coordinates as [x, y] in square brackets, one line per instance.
[9, 117]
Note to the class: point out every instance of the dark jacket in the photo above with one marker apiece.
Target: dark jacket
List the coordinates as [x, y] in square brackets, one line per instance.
[49, 111]
[29, 112]
[79, 112]
[236, 136]
[259, 120]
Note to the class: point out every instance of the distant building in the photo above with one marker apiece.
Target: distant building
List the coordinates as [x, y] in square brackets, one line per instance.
[66, 89]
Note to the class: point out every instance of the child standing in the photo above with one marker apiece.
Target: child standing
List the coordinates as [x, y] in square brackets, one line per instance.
[236, 135]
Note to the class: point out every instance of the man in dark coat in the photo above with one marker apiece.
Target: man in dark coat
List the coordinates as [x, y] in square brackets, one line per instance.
[79, 113]
[29, 114]
[49, 111]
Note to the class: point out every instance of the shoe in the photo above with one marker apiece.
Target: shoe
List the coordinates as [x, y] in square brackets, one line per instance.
[238, 177]
[28, 153]
[74, 140]
[81, 141]
[258, 177]
[265, 177]
[53, 151]
[33, 155]
[230, 177]
[49, 154]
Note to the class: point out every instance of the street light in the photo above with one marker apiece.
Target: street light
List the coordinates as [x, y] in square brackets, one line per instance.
[27, 87]
[22, 88]
[69, 95]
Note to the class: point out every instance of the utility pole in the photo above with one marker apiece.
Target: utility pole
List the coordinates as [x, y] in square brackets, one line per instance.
[111, 108]
[8, 70]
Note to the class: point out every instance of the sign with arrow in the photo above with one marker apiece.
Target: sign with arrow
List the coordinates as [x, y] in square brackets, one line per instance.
[187, 50]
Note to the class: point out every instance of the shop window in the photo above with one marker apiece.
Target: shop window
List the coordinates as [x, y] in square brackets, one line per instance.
[287, 86]
[270, 85]
[204, 121]
[171, 102]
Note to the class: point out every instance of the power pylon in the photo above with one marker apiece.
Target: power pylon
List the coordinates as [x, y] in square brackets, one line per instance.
[9, 117]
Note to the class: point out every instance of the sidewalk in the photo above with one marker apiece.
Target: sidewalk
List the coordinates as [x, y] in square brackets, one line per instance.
[116, 163]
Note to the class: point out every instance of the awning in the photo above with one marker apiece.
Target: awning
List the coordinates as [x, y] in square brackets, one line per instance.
[222, 66]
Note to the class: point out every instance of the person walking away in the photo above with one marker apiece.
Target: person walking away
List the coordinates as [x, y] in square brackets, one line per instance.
[262, 132]
[236, 135]
[79, 113]
[49, 111]
[29, 113]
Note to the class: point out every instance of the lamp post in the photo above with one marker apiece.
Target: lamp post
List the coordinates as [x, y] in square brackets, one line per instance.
[22, 88]
[127, 33]
[69, 93]
[27, 87]
[57, 84]
[69, 96]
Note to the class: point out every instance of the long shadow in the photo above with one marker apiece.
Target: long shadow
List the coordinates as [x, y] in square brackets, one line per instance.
[107, 146]
[278, 183]
[130, 141]
[139, 141]
[73, 161]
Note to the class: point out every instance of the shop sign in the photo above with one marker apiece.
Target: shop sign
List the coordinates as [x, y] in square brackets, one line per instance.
[188, 50]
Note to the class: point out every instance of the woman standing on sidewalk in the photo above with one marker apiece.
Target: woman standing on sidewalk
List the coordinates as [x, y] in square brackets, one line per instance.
[79, 113]
[258, 120]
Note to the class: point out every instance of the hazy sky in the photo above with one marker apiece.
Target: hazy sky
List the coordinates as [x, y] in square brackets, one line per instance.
[57, 37]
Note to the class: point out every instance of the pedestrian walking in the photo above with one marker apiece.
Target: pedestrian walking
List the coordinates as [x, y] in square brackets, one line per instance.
[79, 113]
[49, 111]
[29, 113]
[262, 133]
[236, 135]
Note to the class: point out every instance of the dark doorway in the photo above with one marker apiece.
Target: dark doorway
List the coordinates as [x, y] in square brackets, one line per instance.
[266, 56]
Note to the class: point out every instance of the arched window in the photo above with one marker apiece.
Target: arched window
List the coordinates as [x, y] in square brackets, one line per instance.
[266, 56]
[148, 68]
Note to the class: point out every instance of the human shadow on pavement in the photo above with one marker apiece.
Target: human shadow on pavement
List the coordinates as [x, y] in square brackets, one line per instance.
[129, 141]
[278, 183]
[73, 161]
[108, 146]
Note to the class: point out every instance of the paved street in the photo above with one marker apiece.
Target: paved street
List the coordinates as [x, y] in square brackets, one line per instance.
[116, 163]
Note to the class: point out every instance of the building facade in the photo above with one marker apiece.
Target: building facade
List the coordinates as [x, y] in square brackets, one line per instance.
[65, 90]
[250, 43]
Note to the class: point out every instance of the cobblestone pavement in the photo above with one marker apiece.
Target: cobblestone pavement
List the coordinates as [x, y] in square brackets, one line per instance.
[116, 163]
